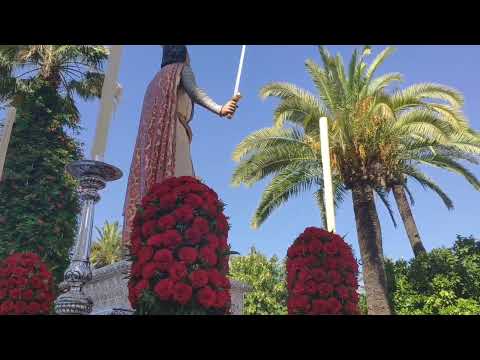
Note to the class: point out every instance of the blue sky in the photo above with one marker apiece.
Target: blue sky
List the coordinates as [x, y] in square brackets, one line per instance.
[215, 138]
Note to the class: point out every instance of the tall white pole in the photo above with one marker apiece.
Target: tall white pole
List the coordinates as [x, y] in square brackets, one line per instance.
[107, 103]
[327, 175]
[239, 72]
[5, 139]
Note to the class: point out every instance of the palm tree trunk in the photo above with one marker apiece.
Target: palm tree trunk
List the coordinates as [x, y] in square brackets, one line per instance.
[408, 220]
[370, 240]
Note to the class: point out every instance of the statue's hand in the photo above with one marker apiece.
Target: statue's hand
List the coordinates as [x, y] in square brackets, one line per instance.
[230, 107]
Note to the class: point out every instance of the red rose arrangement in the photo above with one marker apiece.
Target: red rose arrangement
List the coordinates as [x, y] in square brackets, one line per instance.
[179, 251]
[26, 285]
[321, 275]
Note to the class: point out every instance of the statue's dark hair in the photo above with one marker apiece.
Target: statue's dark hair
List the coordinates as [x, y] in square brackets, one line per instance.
[174, 54]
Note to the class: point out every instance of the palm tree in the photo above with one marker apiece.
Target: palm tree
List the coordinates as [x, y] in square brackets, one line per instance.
[424, 125]
[69, 69]
[108, 248]
[361, 139]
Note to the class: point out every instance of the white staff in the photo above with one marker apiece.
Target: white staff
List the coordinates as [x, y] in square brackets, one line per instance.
[239, 72]
[327, 175]
[110, 87]
[5, 136]
[236, 94]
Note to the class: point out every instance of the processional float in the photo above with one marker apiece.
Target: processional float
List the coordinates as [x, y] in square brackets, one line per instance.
[93, 176]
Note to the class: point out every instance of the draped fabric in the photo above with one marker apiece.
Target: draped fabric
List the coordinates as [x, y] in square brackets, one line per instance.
[154, 154]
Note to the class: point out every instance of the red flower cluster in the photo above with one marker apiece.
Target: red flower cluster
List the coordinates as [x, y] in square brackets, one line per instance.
[321, 275]
[26, 285]
[179, 249]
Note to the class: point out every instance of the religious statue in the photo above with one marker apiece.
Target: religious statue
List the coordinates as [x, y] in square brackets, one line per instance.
[163, 142]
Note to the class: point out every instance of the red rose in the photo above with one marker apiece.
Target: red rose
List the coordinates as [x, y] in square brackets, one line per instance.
[334, 306]
[182, 293]
[136, 269]
[350, 280]
[37, 282]
[222, 300]
[160, 189]
[3, 294]
[291, 277]
[324, 289]
[149, 270]
[319, 307]
[215, 278]
[178, 271]
[20, 307]
[140, 287]
[149, 213]
[201, 225]
[330, 248]
[334, 277]
[145, 254]
[299, 289]
[148, 229]
[164, 289]
[166, 222]
[319, 274]
[27, 294]
[213, 241]
[41, 295]
[157, 240]
[168, 202]
[210, 208]
[208, 256]
[199, 278]
[222, 224]
[34, 308]
[163, 256]
[309, 260]
[188, 255]
[206, 297]
[351, 308]
[304, 276]
[7, 307]
[193, 236]
[135, 245]
[172, 238]
[15, 293]
[148, 199]
[299, 304]
[315, 246]
[24, 281]
[342, 292]
[20, 272]
[331, 264]
[193, 200]
[184, 214]
[310, 287]
[354, 297]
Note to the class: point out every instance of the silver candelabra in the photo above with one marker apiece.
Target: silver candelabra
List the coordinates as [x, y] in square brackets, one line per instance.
[92, 176]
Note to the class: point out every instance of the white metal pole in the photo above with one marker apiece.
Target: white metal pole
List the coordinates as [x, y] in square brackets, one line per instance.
[107, 103]
[327, 175]
[239, 72]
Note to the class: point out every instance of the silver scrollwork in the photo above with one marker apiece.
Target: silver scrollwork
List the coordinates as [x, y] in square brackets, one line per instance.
[92, 176]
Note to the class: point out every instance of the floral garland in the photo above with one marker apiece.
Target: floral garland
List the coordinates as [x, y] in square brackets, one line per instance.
[321, 275]
[26, 285]
[179, 251]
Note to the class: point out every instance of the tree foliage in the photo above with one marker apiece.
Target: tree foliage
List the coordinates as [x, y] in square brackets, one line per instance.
[445, 281]
[38, 202]
[108, 248]
[266, 277]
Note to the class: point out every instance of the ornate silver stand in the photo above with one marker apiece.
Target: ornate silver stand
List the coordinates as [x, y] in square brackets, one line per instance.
[93, 176]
